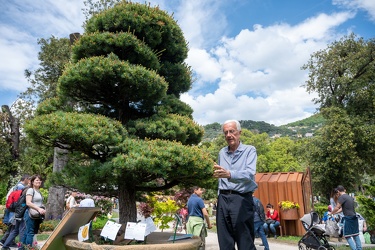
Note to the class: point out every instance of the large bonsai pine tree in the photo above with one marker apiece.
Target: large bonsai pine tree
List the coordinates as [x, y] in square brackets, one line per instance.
[118, 109]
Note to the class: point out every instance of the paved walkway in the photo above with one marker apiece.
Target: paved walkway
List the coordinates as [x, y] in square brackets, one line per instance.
[212, 243]
[275, 244]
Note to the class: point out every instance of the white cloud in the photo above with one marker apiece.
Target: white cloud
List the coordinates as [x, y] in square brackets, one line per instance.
[203, 22]
[17, 54]
[258, 71]
[207, 67]
[251, 75]
[279, 108]
[26, 22]
[364, 5]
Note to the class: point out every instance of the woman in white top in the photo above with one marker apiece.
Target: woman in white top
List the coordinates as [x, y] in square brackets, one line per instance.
[71, 201]
[34, 199]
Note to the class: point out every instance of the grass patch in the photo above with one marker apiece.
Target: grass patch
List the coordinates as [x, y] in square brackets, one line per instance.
[42, 237]
[288, 239]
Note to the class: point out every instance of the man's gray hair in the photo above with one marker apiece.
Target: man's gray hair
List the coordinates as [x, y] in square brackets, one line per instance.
[238, 125]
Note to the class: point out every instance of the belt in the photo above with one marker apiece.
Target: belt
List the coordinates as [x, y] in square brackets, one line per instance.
[233, 192]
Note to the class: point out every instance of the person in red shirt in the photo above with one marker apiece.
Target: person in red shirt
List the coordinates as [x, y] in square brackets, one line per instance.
[272, 220]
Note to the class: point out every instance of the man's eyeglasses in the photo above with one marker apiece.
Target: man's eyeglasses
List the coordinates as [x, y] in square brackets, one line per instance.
[232, 132]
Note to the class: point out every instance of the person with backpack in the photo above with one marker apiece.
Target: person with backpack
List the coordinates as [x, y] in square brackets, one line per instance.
[34, 200]
[8, 213]
[19, 210]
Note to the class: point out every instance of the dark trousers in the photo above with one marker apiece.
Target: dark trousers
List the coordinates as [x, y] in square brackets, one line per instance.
[235, 221]
[7, 233]
[19, 228]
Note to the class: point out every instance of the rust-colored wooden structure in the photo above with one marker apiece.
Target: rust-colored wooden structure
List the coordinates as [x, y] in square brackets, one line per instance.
[291, 186]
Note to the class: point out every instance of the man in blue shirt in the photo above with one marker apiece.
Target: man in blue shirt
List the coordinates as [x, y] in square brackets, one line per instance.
[197, 212]
[235, 170]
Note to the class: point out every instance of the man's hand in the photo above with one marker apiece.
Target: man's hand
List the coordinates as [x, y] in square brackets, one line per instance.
[220, 172]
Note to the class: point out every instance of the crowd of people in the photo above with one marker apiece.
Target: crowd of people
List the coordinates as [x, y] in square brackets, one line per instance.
[238, 220]
[21, 200]
[240, 217]
[20, 219]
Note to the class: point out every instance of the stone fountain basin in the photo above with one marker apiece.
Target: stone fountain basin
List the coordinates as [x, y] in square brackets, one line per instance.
[155, 241]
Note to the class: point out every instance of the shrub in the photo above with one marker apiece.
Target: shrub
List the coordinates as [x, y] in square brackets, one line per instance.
[99, 222]
[367, 205]
[104, 203]
[367, 210]
[162, 210]
[3, 227]
[320, 209]
[48, 225]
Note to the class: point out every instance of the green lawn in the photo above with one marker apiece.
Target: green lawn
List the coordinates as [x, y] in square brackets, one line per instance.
[39, 237]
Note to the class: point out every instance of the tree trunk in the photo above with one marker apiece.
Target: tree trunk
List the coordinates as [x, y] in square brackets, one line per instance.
[60, 159]
[127, 204]
[56, 203]
[14, 132]
[56, 197]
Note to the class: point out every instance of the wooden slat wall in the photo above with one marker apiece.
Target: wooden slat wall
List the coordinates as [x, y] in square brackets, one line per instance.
[292, 186]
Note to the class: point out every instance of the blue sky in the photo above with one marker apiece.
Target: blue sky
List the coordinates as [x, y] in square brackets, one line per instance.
[246, 55]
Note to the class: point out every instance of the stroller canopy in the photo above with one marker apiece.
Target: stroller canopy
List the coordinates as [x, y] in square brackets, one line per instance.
[310, 219]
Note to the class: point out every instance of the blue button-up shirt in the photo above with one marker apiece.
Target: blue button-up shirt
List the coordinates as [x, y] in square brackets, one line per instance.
[242, 166]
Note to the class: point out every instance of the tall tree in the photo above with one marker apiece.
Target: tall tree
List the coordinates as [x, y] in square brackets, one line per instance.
[281, 156]
[6, 157]
[343, 76]
[54, 54]
[128, 131]
[333, 154]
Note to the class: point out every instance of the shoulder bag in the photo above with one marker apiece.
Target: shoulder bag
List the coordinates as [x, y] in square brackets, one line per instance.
[270, 221]
[34, 214]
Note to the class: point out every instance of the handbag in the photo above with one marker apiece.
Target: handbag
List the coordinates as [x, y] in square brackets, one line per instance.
[332, 229]
[270, 221]
[34, 214]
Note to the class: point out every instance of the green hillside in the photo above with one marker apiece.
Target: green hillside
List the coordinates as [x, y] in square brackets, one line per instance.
[312, 121]
[302, 128]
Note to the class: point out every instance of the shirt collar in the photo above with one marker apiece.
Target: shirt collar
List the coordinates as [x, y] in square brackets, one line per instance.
[240, 148]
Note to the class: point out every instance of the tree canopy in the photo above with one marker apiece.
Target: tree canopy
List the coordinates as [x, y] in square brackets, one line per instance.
[343, 76]
[116, 112]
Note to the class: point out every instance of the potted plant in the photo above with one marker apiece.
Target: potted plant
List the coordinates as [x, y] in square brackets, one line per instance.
[288, 210]
[285, 205]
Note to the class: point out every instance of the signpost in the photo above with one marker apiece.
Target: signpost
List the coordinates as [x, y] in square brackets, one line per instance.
[70, 223]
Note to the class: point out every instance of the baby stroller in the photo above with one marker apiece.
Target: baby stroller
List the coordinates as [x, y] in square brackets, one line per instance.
[315, 237]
